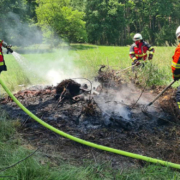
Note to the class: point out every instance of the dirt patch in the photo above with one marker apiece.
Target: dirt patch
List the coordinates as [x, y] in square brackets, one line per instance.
[109, 115]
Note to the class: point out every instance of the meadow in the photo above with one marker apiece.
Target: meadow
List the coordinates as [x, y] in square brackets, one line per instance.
[35, 67]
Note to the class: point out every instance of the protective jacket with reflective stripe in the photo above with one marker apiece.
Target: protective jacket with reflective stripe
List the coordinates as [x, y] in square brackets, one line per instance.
[2, 62]
[139, 51]
[176, 63]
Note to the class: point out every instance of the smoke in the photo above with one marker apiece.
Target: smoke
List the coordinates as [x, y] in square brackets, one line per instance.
[51, 70]
[59, 68]
[46, 64]
[111, 103]
[119, 102]
[20, 33]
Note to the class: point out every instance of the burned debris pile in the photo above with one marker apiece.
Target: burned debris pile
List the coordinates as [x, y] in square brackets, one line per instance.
[108, 77]
[168, 104]
[67, 89]
[102, 112]
[71, 90]
[107, 104]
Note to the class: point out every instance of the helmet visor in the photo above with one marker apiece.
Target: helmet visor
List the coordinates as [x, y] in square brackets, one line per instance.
[136, 39]
[178, 35]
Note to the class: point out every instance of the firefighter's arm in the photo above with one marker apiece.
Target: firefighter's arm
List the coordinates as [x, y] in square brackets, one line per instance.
[132, 55]
[151, 52]
[1, 41]
[4, 44]
[150, 49]
[175, 66]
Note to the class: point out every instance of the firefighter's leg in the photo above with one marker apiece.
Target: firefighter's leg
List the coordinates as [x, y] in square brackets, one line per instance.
[178, 97]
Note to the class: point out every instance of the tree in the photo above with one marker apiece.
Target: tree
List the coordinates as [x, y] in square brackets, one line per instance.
[105, 21]
[58, 19]
[16, 26]
[7, 9]
[153, 18]
[78, 4]
[31, 6]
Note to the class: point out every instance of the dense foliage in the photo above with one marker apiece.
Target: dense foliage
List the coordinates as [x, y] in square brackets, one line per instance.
[105, 22]
[58, 19]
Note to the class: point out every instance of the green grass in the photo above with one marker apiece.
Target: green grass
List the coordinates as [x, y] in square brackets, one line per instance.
[12, 151]
[118, 58]
[82, 61]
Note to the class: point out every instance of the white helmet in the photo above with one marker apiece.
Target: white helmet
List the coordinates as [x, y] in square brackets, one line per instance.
[178, 32]
[137, 37]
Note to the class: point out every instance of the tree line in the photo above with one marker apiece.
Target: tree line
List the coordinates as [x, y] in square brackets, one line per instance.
[101, 22]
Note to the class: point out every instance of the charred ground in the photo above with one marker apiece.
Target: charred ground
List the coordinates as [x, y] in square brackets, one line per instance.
[110, 114]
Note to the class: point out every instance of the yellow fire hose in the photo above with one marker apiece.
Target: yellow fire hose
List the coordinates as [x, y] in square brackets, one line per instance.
[105, 148]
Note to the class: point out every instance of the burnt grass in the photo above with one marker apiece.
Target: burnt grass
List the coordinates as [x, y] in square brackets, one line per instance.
[111, 116]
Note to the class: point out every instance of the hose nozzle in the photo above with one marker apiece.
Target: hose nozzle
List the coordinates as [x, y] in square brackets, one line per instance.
[9, 50]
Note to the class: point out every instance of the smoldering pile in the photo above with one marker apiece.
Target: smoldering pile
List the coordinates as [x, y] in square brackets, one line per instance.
[107, 102]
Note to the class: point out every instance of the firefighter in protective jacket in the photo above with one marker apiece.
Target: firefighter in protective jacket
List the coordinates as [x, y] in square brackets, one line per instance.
[138, 50]
[176, 66]
[2, 62]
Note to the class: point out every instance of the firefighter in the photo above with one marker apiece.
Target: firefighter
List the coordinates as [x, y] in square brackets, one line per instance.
[2, 62]
[176, 66]
[138, 50]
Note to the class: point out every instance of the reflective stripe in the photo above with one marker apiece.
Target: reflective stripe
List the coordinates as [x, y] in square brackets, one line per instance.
[176, 75]
[1, 63]
[141, 55]
[150, 48]
[134, 58]
[151, 52]
[175, 65]
[131, 53]
[178, 103]
[0, 53]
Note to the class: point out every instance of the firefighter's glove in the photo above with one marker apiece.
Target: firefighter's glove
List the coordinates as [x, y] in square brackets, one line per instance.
[150, 56]
[136, 62]
[176, 78]
[9, 49]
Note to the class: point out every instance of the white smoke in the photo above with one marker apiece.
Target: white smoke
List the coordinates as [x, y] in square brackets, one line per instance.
[119, 101]
[20, 33]
[55, 66]
[51, 70]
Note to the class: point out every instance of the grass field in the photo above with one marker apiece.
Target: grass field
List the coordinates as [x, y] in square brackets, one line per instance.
[77, 61]
[81, 61]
